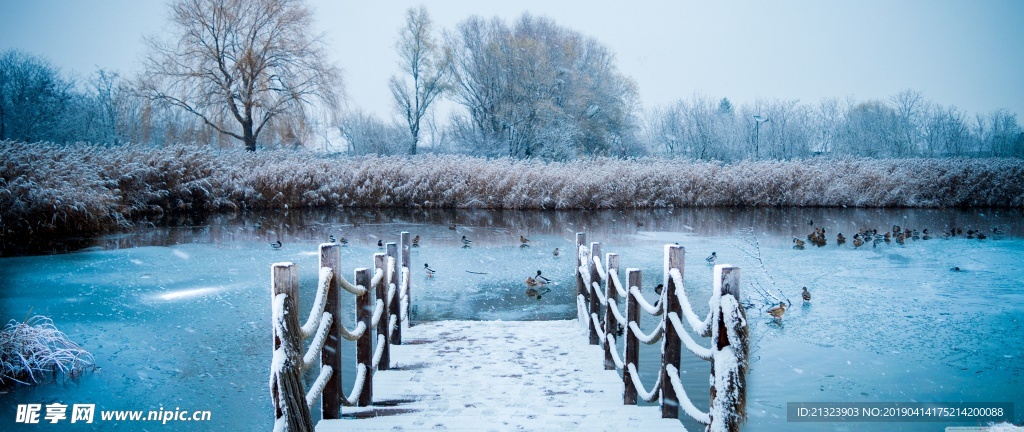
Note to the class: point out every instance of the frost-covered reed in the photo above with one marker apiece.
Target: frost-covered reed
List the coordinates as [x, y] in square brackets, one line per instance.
[34, 351]
[55, 189]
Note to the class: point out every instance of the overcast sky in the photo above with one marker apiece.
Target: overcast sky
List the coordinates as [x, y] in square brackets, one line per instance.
[964, 53]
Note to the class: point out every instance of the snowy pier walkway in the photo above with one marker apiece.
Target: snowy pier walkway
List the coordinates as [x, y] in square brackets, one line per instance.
[498, 376]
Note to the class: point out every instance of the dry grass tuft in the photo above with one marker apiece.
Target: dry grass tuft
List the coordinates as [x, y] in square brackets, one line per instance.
[34, 351]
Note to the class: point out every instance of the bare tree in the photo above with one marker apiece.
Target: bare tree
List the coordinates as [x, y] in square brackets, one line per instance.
[427, 66]
[34, 98]
[238, 64]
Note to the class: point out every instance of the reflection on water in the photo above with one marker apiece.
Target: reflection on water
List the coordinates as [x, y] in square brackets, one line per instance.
[178, 315]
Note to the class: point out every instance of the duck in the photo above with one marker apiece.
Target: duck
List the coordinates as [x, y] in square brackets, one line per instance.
[331, 239]
[430, 271]
[659, 288]
[778, 311]
[380, 243]
[810, 222]
[857, 242]
[524, 241]
[530, 281]
[806, 295]
[452, 226]
[555, 252]
[537, 292]
[840, 239]
[276, 244]
[257, 225]
[416, 241]
[798, 244]
[466, 241]
[343, 241]
[996, 231]
[542, 279]
[982, 236]
[711, 258]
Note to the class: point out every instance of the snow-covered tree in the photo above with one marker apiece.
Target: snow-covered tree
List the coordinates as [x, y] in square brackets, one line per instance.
[426, 68]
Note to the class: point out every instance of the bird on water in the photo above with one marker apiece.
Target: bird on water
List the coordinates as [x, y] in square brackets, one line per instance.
[711, 258]
[430, 271]
[778, 311]
[276, 244]
[806, 295]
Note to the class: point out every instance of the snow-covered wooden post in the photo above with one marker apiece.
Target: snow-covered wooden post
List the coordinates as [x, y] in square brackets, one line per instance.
[394, 307]
[364, 345]
[595, 301]
[330, 403]
[287, 390]
[380, 264]
[581, 240]
[632, 343]
[730, 349]
[404, 249]
[670, 344]
[610, 324]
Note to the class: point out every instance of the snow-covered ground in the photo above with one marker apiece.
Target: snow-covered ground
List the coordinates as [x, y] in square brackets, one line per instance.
[186, 323]
[498, 376]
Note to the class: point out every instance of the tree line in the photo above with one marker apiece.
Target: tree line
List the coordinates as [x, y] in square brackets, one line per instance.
[251, 72]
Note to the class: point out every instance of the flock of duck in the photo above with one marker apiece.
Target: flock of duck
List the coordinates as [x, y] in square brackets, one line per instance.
[535, 283]
[898, 234]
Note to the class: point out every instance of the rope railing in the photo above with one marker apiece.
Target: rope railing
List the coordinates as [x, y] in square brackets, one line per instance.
[725, 324]
[292, 404]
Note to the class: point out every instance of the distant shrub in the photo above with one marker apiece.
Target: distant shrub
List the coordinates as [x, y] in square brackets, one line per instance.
[34, 351]
[74, 189]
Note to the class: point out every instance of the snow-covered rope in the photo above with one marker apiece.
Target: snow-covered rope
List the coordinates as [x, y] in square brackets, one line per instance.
[600, 269]
[378, 275]
[647, 396]
[614, 273]
[684, 400]
[357, 290]
[655, 310]
[611, 342]
[701, 327]
[313, 352]
[581, 311]
[323, 286]
[615, 311]
[377, 312]
[353, 334]
[357, 387]
[391, 292]
[648, 339]
[584, 274]
[392, 323]
[692, 345]
[600, 293]
[317, 389]
[596, 321]
[379, 352]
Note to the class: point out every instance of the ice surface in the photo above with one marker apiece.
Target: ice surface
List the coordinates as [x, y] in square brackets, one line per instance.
[187, 323]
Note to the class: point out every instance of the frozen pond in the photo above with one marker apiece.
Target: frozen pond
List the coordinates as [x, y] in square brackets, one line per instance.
[179, 317]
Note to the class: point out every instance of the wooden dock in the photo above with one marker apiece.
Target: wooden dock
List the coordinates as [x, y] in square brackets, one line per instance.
[498, 376]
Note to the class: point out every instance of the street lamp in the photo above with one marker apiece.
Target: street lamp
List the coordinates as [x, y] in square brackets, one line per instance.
[758, 119]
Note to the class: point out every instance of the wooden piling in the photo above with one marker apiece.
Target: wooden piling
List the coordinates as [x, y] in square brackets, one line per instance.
[330, 403]
[610, 323]
[671, 346]
[729, 285]
[380, 264]
[581, 240]
[364, 345]
[394, 306]
[632, 342]
[405, 249]
[288, 392]
[595, 301]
